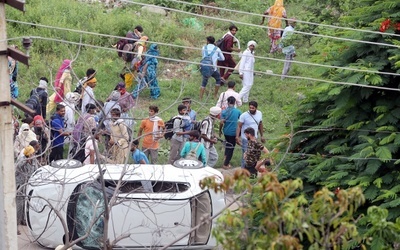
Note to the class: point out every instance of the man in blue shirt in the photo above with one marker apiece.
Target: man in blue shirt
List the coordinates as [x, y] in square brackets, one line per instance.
[207, 49]
[190, 112]
[138, 156]
[57, 133]
[228, 125]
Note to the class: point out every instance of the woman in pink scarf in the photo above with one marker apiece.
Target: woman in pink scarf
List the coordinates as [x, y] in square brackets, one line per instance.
[62, 85]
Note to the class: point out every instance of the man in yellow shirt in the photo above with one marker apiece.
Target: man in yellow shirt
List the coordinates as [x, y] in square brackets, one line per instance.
[152, 130]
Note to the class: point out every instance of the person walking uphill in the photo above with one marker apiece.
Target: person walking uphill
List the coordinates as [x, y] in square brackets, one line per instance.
[227, 49]
[276, 13]
[246, 71]
[216, 54]
[148, 73]
[287, 47]
[62, 85]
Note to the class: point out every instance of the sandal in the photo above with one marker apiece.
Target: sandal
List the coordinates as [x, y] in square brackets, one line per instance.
[227, 167]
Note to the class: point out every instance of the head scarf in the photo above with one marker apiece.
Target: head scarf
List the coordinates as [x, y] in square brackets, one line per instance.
[26, 134]
[38, 121]
[28, 151]
[66, 64]
[152, 53]
[276, 13]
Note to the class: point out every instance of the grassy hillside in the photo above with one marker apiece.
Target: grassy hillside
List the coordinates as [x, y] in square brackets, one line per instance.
[96, 28]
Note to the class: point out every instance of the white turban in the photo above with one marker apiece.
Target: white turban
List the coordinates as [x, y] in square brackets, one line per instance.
[251, 43]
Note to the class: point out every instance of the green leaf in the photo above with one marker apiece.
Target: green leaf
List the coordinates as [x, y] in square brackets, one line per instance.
[378, 182]
[372, 166]
[384, 154]
[388, 139]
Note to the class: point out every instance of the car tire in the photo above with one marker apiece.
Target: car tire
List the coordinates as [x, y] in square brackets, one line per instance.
[188, 164]
[66, 164]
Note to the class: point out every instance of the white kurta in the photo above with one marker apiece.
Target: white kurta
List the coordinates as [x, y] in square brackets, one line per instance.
[246, 68]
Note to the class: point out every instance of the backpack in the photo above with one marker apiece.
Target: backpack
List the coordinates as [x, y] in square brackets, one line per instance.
[80, 152]
[198, 125]
[206, 64]
[34, 102]
[192, 153]
[126, 55]
[80, 155]
[169, 127]
[220, 43]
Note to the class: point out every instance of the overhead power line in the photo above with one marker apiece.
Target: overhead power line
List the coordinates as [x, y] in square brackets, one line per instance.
[261, 26]
[198, 63]
[282, 18]
[196, 48]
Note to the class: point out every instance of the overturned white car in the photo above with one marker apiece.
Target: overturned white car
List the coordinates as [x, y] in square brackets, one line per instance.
[150, 205]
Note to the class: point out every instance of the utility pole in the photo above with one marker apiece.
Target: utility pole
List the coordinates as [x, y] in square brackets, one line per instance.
[8, 216]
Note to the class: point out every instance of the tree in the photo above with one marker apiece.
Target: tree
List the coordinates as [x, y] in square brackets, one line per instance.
[346, 136]
[272, 215]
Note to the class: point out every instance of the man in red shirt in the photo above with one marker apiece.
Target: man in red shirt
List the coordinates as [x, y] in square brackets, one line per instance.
[152, 130]
[227, 49]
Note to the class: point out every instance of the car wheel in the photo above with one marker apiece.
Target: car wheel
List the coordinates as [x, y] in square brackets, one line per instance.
[189, 164]
[66, 163]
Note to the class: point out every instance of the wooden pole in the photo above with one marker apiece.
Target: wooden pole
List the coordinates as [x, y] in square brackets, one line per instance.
[8, 216]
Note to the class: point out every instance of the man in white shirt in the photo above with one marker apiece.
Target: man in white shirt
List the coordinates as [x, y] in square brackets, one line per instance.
[287, 47]
[249, 119]
[88, 94]
[223, 97]
[217, 56]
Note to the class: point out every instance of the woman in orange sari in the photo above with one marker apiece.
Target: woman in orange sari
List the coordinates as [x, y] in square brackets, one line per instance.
[276, 12]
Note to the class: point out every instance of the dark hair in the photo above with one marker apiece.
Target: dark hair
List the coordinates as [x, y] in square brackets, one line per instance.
[90, 106]
[194, 133]
[135, 142]
[231, 100]
[253, 103]
[231, 84]
[210, 39]
[233, 27]
[34, 143]
[99, 104]
[28, 120]
[250, 131]
[44, 79]
[139, 28]
[115, 111]
[154, 108]
[187, 99]
[181, 107]
[90, 72]
[59, 107]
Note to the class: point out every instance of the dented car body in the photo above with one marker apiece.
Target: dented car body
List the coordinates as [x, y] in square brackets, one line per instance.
[149, 205]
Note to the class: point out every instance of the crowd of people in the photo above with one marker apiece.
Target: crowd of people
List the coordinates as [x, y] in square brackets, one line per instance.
[73, 123]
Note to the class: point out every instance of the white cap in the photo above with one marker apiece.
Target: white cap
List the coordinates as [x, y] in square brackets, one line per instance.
[43, 84]
[215, 111]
